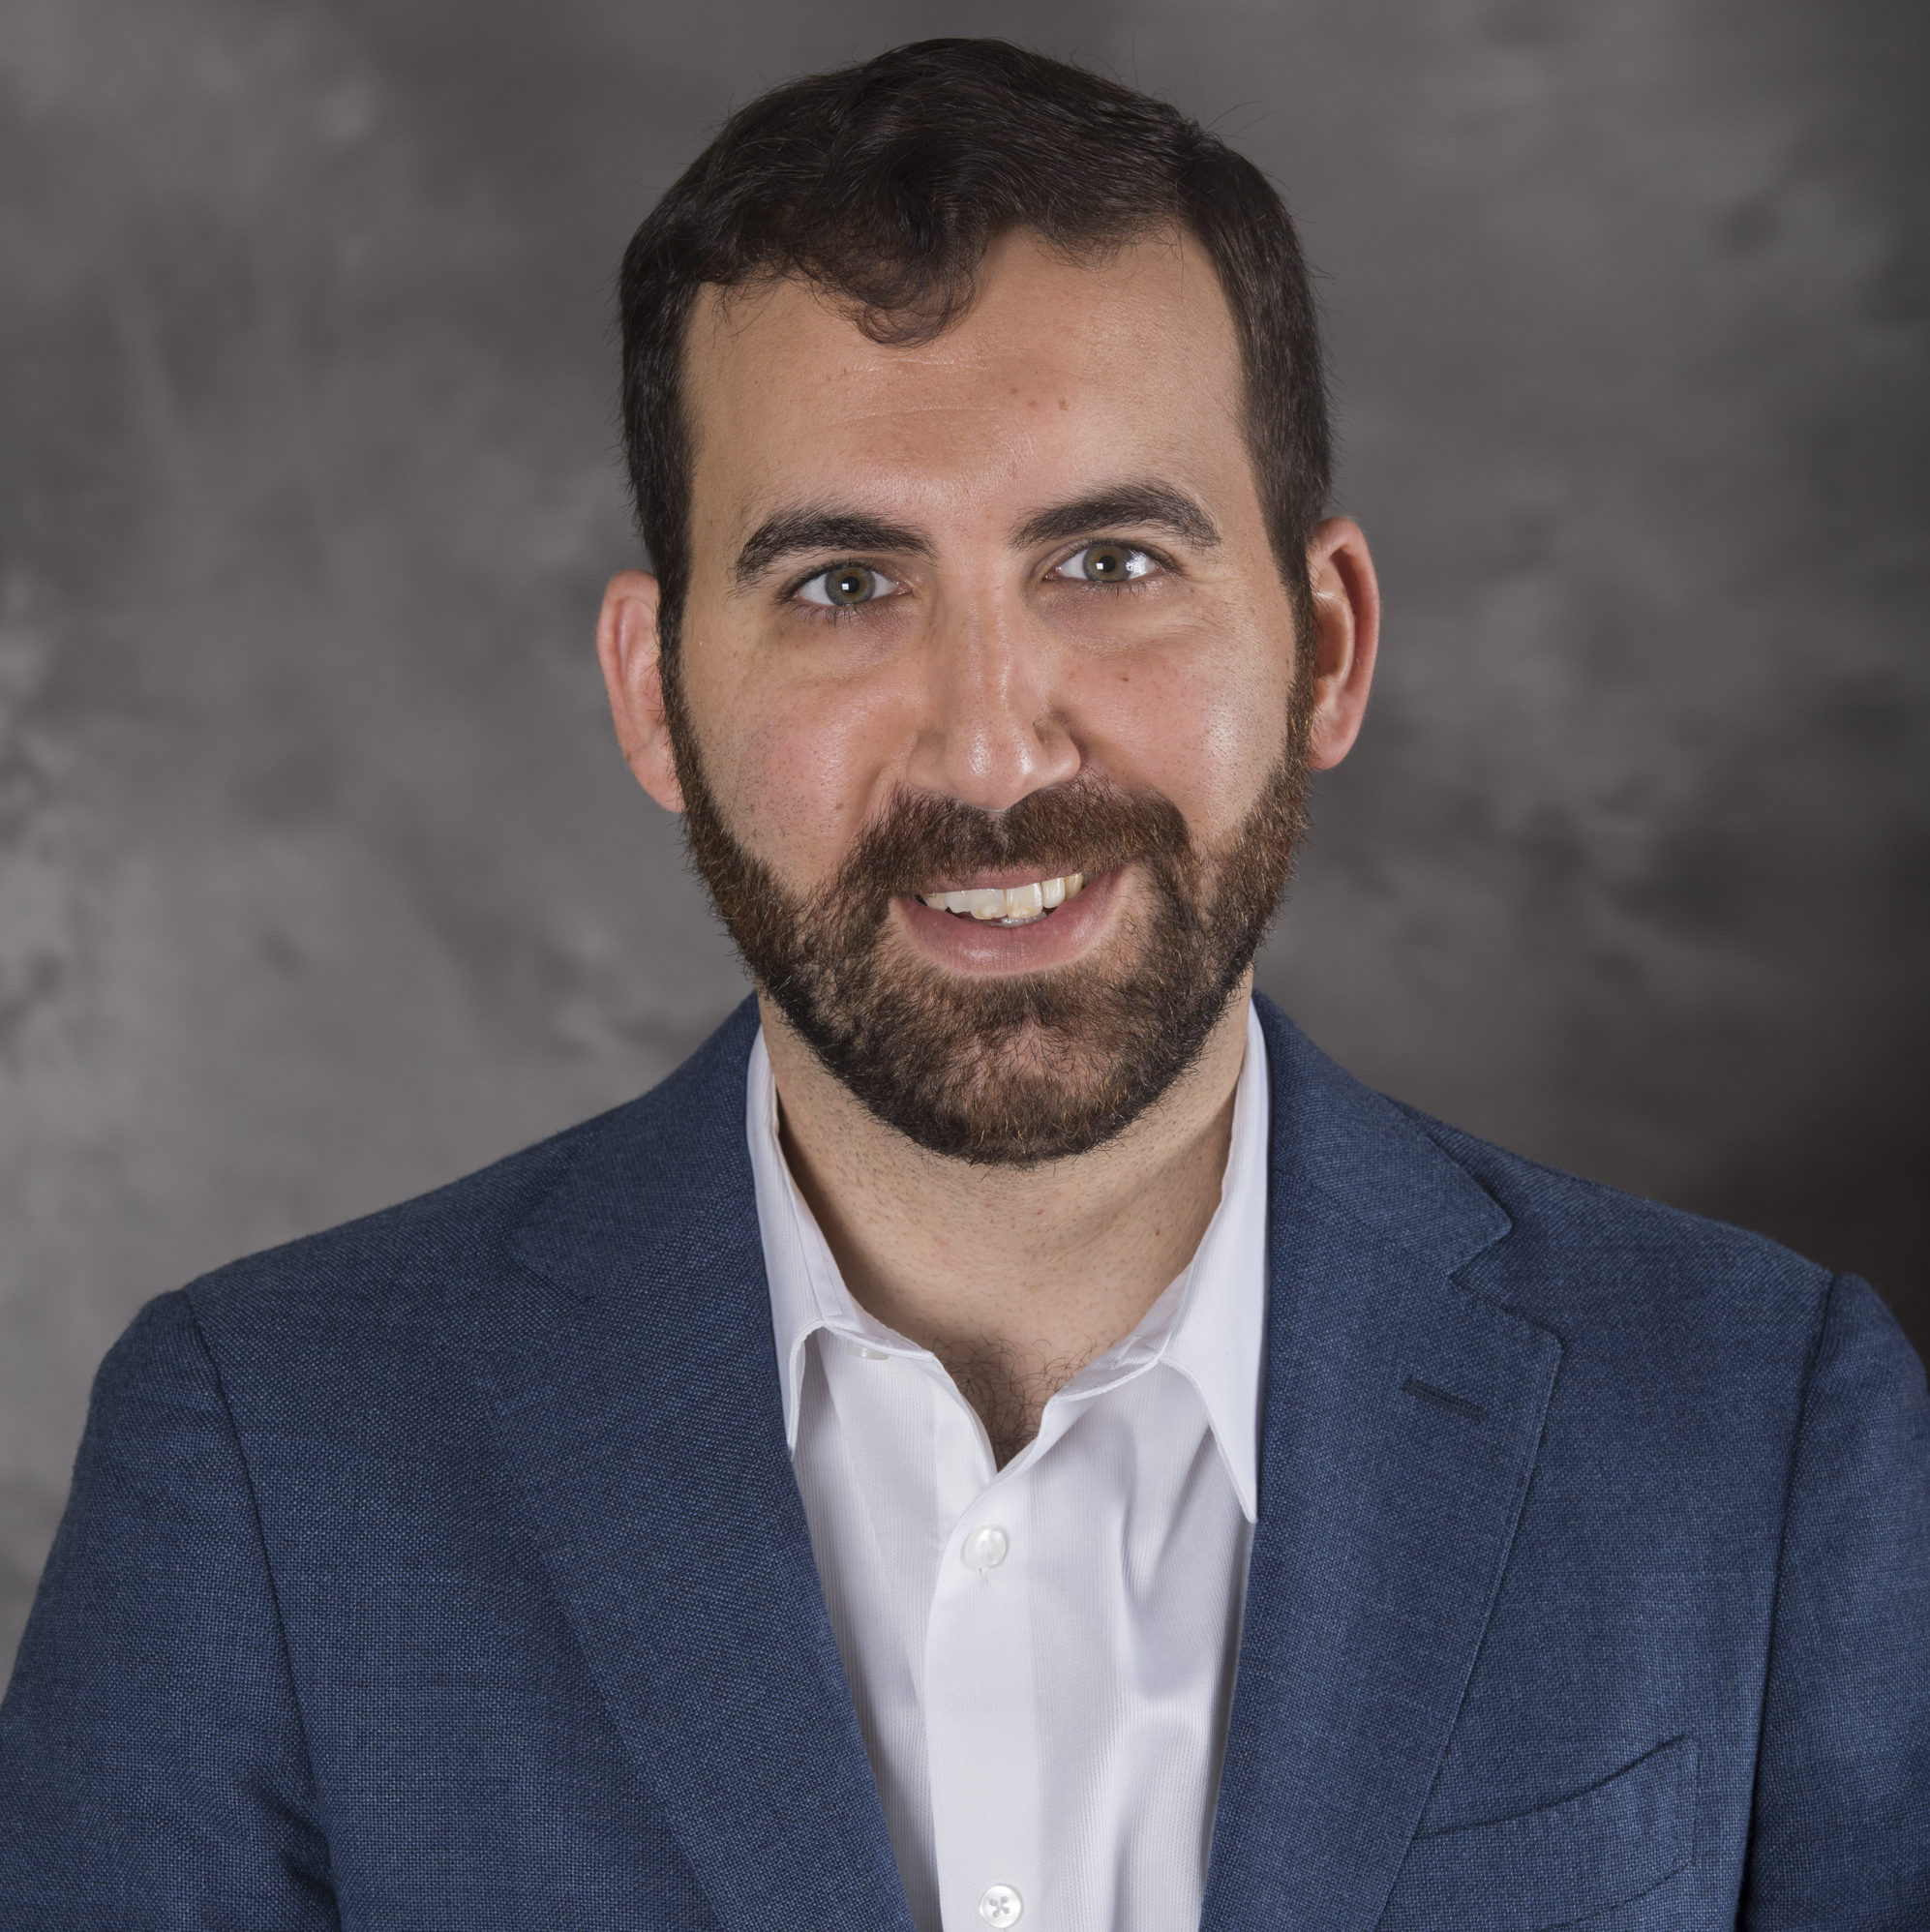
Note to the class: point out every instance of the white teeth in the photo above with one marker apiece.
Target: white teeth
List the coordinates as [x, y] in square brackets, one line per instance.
[1015, 905]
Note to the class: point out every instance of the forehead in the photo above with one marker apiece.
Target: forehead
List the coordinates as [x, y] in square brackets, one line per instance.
[1061, 371]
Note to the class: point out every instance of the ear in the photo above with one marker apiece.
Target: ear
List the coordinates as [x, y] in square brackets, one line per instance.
[1346, 619]
[627, 648]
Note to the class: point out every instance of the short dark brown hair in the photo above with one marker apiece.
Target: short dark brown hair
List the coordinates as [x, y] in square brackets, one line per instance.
[885, 183]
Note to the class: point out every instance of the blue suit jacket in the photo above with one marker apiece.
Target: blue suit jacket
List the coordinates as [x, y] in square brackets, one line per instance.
[446, 1571]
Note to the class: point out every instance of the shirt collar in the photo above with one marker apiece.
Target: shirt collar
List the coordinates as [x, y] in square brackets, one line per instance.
[1208, 1325]
[807, 1293]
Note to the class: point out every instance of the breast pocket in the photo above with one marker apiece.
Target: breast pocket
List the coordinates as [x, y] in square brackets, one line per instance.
[1559, 1865]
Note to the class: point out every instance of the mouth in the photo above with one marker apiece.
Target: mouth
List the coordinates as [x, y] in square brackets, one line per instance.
[1008, 905]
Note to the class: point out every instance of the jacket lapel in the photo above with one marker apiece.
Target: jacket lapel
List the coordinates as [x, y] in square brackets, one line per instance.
[636, 1395]
[1400, 1428]
[635, 1391]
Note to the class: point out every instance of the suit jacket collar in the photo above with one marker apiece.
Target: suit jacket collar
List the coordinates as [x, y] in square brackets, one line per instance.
[635, 1389]
[636, 1393]
[1401, 1424]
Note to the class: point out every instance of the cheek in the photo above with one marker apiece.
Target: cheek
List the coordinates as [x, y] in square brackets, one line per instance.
[1202, 719]
[798, 770]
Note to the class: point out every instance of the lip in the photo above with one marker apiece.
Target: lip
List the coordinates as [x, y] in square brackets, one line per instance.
[984, 951]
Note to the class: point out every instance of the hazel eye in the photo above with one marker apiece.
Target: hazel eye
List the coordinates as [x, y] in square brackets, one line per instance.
[844, 585]
[1108, 563]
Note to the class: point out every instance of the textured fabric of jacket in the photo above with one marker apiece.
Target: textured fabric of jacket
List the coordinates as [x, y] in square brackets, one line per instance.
[447, 1571]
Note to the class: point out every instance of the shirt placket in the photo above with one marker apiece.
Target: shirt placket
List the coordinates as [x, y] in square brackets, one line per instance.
[981, 1695]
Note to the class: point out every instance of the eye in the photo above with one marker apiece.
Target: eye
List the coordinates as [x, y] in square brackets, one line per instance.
[1107, 563]
[844, 585]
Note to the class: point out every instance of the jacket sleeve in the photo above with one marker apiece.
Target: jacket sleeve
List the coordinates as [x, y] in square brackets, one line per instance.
[1841, 1836]
[152, 1768]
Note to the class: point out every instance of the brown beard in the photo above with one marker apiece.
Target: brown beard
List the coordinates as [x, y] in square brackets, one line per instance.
[1030, 1067]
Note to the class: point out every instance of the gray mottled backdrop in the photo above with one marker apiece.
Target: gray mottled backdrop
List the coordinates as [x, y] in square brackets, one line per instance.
[320, 881]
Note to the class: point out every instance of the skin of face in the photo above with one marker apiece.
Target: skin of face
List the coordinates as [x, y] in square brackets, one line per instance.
[959, 473]
[986, 676]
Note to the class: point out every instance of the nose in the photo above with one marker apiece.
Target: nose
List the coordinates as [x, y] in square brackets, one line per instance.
[991, 734]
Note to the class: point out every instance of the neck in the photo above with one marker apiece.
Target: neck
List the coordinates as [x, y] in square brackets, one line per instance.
[1015, 1279]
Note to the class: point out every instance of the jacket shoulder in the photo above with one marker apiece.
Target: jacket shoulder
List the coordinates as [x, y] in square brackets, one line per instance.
[1579, 1250]
[1567, 1240]
[1535, 1193]
[452, 1243]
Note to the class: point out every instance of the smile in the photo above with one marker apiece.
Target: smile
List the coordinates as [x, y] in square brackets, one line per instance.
[1008, 905]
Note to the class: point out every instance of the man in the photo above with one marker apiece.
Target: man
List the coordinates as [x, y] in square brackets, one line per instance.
[1007, 1434]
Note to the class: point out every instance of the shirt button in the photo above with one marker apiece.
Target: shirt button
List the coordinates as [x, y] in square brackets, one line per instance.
[985, 1550]
[1001, 1906]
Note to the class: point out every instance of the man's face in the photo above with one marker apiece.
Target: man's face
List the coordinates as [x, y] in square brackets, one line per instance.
[986, 613]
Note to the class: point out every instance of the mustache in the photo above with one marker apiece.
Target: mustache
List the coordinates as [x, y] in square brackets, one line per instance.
[1089, 825]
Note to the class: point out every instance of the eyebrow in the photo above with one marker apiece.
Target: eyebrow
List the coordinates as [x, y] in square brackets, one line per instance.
[806, 528]
[791, 532]
[1159, 505]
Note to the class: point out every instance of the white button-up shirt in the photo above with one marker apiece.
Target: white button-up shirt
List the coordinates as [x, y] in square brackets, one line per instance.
[1042, 1656]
